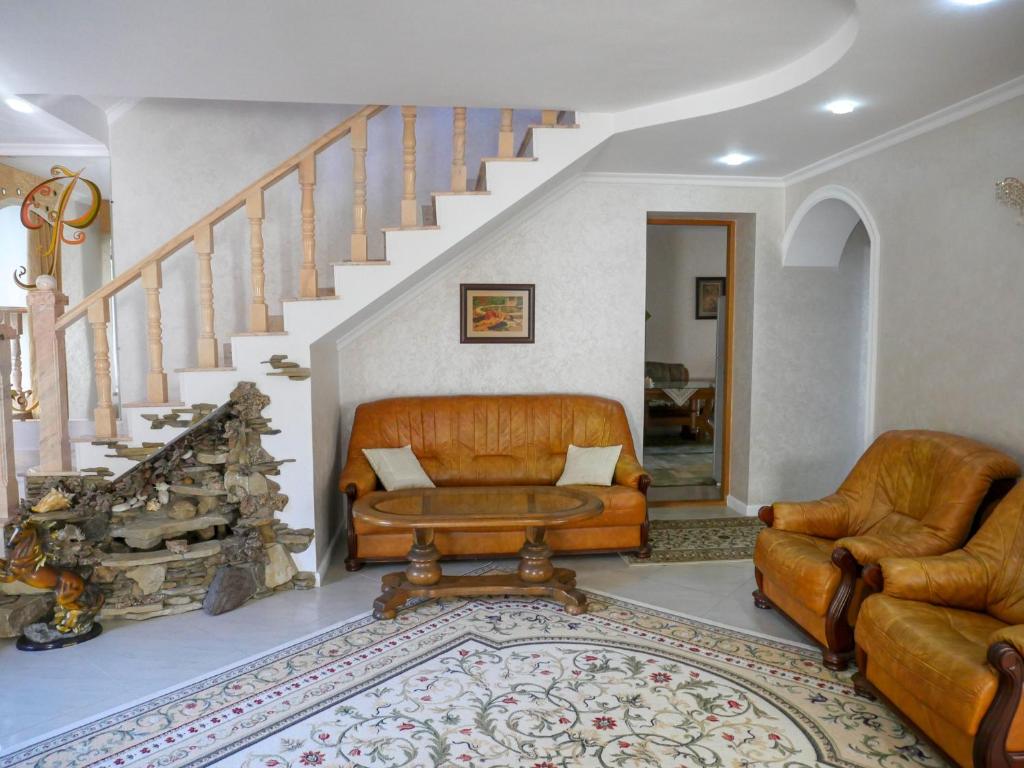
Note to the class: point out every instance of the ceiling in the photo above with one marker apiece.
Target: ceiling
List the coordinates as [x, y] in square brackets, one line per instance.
[688, 80]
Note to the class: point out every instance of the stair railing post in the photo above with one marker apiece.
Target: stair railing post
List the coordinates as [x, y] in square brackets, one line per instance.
[459, 149]
[8, 477]
[258, 316]
[549, 117]
[156, 379]
[104, 415]
[207, 343]
[410, 210]
[357, 137]
[45, 306]
[308, 285]
[17, 375]
[506, 136]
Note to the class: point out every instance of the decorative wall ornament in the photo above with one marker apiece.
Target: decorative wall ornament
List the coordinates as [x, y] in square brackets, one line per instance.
[1011, 192]
[35, 216]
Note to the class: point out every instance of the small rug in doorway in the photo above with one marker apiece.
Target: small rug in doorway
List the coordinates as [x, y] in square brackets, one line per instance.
[505, 682]
[697, 541]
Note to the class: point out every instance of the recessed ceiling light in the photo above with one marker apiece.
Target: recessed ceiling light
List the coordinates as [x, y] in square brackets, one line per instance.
[841, 106]
[735, 158]
[19, 105]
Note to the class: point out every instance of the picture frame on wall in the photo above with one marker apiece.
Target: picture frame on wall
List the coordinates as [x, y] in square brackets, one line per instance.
[709, 289]
[492, 313]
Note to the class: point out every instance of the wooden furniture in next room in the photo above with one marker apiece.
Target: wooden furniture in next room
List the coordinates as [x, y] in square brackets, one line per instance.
[531, 509]
[692, 406]
[912, 493]
[496, 441]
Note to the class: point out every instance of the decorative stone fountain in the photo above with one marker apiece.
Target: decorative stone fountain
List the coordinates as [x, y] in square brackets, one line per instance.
[193, 525]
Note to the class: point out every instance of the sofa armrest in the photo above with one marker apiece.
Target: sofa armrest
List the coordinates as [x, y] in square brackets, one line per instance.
[629, 472]
[1012, 634]
[870, 548]
[827, 518]
[955, 579]
[360, 474]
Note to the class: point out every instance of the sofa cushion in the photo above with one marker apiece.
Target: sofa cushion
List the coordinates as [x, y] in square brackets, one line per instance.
[803, 563]
[397, 468]
[590, 466]
[938, 653]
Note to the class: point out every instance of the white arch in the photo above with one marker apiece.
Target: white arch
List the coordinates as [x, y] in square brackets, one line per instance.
[816, 236]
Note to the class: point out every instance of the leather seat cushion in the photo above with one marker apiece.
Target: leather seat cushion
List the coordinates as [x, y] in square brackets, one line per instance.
[801, 564]
[938, 653]
[622, 506]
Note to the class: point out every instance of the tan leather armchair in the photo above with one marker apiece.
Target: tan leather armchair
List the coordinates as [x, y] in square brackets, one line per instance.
[912, 493]
[943, 641]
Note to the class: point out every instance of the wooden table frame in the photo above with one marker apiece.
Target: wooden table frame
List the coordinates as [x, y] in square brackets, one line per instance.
[536, 576]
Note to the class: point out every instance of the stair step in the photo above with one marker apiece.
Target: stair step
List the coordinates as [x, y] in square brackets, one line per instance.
[511, 159]
[369, 263]
[420, 228]
[332, 297]
[556, 125]
[93, 439]
[203, 370]
[456, 194]
[261, 333]
[428, 215]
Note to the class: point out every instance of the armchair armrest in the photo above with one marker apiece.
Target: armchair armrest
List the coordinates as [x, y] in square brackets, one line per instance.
[360, 475]
[870, 548]
[827, 518]
[955, 579]
[629, 472]
[1012, 634]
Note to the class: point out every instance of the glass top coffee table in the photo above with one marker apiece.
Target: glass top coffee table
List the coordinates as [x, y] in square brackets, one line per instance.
[426, 510]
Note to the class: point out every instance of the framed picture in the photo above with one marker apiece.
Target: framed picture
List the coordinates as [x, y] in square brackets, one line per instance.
[496, 314]
[708, 291]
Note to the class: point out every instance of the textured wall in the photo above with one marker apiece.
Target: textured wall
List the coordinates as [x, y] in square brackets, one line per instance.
[676, 256]
[951, 318]
[586, 252]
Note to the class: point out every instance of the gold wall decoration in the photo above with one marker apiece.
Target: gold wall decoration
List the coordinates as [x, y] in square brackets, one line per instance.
[1011, 192]
[52, 221]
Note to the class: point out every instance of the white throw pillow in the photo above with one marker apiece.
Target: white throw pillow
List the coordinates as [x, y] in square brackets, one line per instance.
[590, 466]
[397, 468]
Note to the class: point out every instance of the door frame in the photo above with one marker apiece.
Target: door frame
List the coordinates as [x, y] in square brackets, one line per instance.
[730, 310]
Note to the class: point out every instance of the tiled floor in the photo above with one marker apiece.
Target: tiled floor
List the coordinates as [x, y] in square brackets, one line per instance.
[50, 691]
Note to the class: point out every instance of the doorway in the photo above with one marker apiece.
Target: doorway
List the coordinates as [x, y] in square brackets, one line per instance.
[688, 358]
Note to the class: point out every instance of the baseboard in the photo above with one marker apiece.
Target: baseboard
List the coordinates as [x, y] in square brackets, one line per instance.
[741, 508]
[321, 570]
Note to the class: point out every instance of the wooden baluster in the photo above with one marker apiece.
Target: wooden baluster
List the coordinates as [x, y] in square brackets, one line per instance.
[307, 182]
[410, 210]
[549, 117]
[459, 149]
[8, 477]
[104, 414]
[45, 306]
[207, 344]
[358, 139]
[156, 379]
[258, 317]
[17, 375]
[506, 137]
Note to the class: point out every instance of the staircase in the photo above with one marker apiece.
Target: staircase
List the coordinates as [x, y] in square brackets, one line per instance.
[505, 183]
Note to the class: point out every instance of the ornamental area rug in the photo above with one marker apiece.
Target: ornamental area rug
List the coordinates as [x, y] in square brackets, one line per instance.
[505, 682]
[703, 540]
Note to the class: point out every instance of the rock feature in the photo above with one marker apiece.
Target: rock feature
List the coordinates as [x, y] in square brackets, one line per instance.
[19, 611]
[194, 525]
[232, 586]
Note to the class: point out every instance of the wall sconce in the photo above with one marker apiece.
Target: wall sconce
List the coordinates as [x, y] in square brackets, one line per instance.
[1010, 191]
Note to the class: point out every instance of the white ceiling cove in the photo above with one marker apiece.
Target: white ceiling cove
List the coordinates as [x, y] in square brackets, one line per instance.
[687, 80]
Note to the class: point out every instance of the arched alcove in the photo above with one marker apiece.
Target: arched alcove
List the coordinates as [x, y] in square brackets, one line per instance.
[817, 236]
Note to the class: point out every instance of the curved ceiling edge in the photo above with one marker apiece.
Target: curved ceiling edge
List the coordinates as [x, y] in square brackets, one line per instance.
[819, 59]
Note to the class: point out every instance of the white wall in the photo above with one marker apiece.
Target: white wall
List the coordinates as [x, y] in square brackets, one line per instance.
[951, 318]
[175, 160]
[13, 245]
[676, 256]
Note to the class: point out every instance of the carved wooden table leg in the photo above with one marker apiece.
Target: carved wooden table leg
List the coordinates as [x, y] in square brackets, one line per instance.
[423, 571]
[535, 557]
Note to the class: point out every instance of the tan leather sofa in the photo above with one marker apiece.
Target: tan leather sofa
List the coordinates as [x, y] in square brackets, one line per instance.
[497, 440]
[944, 641]
[912, 493]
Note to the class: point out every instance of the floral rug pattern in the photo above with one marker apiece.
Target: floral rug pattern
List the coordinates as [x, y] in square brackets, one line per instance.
[691, 541]
[505, 682]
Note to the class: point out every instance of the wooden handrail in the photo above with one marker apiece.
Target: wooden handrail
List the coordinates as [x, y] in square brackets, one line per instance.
[224, 210]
